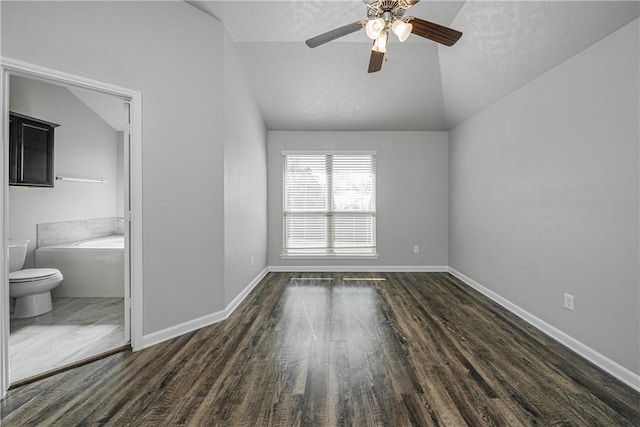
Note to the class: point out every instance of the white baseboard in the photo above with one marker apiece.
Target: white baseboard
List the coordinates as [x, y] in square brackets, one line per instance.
[201, 322]
[358, 268]
[182, 328]
[623, 374]
[242, 295]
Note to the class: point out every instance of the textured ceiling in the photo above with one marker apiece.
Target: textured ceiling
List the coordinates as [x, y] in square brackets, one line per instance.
[424, 86]
[329, 87]
[508, 44]
[296, 21]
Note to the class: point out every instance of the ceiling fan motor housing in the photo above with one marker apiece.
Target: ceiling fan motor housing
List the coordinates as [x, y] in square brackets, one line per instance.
[389, 10]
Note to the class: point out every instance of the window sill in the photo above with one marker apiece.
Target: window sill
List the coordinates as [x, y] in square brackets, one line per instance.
[288, 256]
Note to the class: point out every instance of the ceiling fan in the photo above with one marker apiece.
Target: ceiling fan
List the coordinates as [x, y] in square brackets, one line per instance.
[384, 16]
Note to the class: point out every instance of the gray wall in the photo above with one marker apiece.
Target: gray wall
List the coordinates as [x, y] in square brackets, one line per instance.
[85, 146]
[412, 208]
[245, 178]
[172, 53]
[544, 197]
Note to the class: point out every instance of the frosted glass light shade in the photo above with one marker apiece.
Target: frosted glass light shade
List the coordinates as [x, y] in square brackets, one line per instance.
[374, 27]
[401, 29]
[381, 43]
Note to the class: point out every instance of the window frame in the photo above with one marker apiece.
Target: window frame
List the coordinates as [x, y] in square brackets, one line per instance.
[329, 254]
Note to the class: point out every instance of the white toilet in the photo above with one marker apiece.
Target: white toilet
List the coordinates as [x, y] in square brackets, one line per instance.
[30, 287]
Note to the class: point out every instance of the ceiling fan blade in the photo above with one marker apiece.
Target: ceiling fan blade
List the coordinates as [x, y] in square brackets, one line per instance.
[435, 32]
[375, 62]
[334, 34]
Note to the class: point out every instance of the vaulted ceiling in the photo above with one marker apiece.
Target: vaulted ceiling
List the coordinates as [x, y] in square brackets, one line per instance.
[423, 86]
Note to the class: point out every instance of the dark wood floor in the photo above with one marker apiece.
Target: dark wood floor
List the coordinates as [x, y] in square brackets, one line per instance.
[414, 349]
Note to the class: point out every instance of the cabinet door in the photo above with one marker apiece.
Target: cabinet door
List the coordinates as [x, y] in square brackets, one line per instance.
[30, 151]
[35, 153]
[13, 150]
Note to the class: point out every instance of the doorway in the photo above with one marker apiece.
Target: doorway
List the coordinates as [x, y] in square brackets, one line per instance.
[127, 320]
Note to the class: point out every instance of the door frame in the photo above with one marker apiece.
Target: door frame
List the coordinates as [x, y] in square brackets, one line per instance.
[9, 67]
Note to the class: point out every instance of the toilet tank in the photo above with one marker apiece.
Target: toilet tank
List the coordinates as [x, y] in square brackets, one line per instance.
[17, 254]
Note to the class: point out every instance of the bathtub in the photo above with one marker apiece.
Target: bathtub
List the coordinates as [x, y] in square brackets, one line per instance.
[91, 268]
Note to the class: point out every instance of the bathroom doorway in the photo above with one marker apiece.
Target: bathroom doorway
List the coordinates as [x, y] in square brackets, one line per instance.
[85, 225]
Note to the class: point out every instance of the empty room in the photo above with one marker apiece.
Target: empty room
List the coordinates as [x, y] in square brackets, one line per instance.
[320, 213]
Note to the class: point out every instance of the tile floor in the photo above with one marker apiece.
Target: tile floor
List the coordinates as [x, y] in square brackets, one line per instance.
[76, 329]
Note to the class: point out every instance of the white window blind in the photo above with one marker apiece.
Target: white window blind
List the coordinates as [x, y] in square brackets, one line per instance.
[329, 204]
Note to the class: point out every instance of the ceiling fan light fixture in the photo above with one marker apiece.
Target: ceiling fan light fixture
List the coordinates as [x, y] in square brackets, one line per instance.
[380, 44]
[401, 29]
[384, 16]
[374, 28]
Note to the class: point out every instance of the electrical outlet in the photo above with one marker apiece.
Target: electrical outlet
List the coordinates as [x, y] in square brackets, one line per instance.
[568, 302]
[251, 260]
[416, 249]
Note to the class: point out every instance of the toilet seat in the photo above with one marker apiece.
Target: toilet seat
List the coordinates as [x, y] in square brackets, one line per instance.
[33, 274]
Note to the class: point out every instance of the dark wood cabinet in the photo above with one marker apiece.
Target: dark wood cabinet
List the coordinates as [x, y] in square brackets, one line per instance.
[30, 151]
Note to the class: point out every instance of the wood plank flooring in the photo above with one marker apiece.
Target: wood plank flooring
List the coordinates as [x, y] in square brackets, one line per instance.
[76, 329]
[415, 349]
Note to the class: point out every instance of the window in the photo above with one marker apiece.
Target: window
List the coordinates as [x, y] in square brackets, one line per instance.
[329, 203]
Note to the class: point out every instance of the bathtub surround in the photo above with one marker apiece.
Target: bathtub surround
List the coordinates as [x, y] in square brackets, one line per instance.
[88, 271]
[91, 268]
[57, 233]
